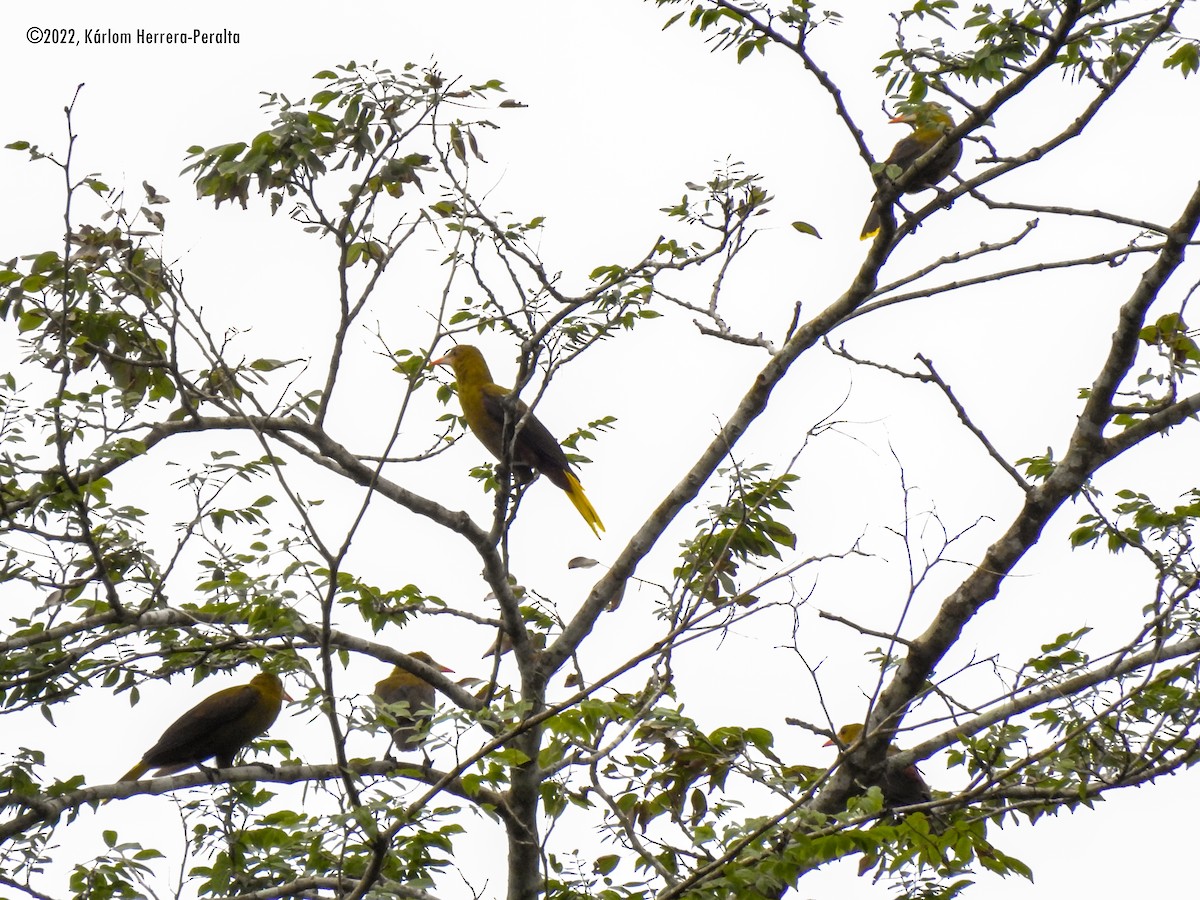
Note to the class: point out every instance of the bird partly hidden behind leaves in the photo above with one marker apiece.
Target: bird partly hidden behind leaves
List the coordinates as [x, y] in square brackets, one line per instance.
[218, 726]
[930, 121]
[534, 447]
[903, 788]
[418, 698]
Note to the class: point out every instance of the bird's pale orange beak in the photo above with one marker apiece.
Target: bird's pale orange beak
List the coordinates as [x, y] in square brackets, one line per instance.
[440, 361]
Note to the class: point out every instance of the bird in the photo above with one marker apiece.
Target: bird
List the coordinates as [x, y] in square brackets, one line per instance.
[218, 726]
[484, 407]
[903, 788]
[419, 697]
[930, 121]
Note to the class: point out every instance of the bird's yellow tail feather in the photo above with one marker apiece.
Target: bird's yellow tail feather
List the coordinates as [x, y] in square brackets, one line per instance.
[581, 503]
[135, 773]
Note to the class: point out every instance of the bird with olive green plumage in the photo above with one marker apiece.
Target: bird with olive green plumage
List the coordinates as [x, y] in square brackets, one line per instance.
[411, 700]
[930, 121]
[219, 726]
[484, 405]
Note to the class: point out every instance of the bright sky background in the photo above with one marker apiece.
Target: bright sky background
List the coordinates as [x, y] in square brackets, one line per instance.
[619, 115]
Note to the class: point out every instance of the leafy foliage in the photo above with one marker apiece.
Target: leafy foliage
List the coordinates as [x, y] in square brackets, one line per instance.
[127, 415]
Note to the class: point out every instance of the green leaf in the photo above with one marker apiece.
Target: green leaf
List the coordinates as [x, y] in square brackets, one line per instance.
[43, 262]
[1186, 58]
[605, 864]
[511, 756]
[30, 319]
[267, 365]
[1086, 535]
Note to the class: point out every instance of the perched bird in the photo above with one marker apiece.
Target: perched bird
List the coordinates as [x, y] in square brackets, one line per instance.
[220, 726]
[419, 697]
[929, 121]
[903, 788]
[483, 406]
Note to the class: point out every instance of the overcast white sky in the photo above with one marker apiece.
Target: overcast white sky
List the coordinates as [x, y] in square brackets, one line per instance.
[619, 115]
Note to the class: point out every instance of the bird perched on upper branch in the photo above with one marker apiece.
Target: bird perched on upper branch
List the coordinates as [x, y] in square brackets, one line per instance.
[903, 788]
[485, 404]
[419, 697]
[220, 726]
[930, 121]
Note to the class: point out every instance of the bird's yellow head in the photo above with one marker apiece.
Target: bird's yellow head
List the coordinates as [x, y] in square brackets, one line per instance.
[429, 660]
[926, 118]
[847, 735]
[270, 685]
[405, 675]
[468, 364]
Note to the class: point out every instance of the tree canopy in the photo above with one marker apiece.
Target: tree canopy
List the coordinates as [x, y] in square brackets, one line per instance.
[823, 465]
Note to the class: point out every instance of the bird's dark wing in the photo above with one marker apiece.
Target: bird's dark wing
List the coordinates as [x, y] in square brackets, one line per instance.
[912, 148]
[412, 727]
[907, 151]
[535, 445]
[416, 693]
[189, 737]
[905, 787]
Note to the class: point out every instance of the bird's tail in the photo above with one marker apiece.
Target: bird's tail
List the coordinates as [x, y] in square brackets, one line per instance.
[871, 226]
[136, 772]
[575, 491]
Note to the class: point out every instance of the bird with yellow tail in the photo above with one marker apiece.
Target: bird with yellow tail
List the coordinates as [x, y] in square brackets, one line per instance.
[486, 405]
[930, 121]
[218, 726]
[411, 700]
